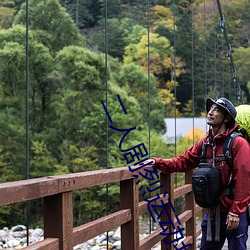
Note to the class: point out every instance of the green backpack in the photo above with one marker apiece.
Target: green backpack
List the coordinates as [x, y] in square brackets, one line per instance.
[243, 120]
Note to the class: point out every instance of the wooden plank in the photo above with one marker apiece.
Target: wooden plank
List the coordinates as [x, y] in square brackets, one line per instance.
[94, 178]
[152, 239]
[129, 197]
[186, 241]
[183, 217]
[46, 244]
[168, 186]
[143, 205]
[198, 231]
[182, 190]
[24, 190]
[198, 208]
[58, 219]
[90, 230]
[190, 205]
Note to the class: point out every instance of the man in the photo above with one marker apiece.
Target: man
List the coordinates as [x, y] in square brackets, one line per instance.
[221, 115]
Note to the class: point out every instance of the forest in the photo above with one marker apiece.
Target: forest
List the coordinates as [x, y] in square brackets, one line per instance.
[162, 58]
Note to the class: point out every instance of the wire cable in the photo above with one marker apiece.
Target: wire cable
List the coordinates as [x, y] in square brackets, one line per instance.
[205, 50]
[236, 83]
[174, 74]
[175, 87]
[27, 207]
[148, 27]
[192, 77]
[215, 52]
[149, 94]
[106, 82]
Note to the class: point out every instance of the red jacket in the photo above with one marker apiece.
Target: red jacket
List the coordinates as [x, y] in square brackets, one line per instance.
[241, 167]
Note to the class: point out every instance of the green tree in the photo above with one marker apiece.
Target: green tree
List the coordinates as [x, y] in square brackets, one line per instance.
[13, 148]
[42, 163]
[78, 101]
[241, 56]
[118, 31]
[8, 9]
[13, 60]
[161, 57]
[53, 25]
[12, 113]
[6, 17]
[136, 83]
[161, 16]
[84, 13]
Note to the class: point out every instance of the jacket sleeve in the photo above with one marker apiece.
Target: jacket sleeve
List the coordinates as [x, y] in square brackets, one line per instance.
[241, 175]
[185, 162]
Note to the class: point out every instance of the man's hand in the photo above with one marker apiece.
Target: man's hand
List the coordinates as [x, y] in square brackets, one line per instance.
[150, 162]
[147, 161]
[232, 222]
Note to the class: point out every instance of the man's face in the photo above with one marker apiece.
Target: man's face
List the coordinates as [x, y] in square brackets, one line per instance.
[215, 116]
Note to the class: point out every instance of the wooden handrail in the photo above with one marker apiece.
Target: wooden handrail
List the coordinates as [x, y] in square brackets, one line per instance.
[58, 208]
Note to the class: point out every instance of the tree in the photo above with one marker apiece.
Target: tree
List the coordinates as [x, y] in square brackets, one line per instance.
[12, 59]
[53, 25]
[8, 10]
[119, 9]
[40, 60]
[6, 17]
[161, 61]
[13, 150]
[77, 103]
[242, 65]
[161, 16]
[84, 13]
[42, 163]
[132, 78]
[118, 31]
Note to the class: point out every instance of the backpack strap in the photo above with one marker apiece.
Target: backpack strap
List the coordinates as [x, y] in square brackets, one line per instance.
[227, 148]
[227, 151]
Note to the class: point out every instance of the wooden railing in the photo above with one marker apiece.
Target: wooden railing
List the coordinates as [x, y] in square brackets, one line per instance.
[56, 192]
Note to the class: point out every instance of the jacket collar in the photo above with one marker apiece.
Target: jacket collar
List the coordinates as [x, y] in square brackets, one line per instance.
[221, 136]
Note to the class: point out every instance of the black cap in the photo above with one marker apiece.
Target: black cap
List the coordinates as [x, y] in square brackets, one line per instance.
[223, 103]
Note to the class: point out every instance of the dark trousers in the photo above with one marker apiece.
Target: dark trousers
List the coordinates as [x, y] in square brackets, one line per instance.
[237, 238]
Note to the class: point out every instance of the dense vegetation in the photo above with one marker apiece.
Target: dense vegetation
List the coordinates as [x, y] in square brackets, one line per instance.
[74, 64]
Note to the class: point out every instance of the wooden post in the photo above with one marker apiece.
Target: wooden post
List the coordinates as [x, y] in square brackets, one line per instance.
[129, 197]
[168, 182]
[190, 205]
[58, 219]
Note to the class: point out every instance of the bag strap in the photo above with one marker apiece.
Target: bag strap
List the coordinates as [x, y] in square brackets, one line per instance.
[227, 149]
[217, 223]
[209, 225]
[203, 152]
